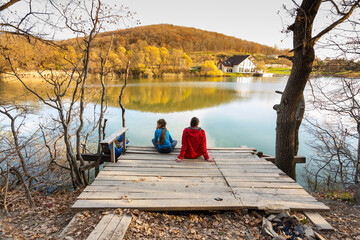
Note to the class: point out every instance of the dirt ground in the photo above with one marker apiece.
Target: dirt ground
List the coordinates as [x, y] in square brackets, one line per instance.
[53, 213]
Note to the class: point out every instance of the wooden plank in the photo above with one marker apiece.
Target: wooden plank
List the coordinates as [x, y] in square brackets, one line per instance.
[261, 179]
[297, 159]
[318, 220]
[158, 189]
[160, 186]
[105, 177]
[121, 229]
[100, 227]
[114, 136]
[238, 172]
[292, 205]
[256, 197]
[110, 228]
[239, 191]
[276, 185]
[248, 167]
[150, 165]
[151, 195]
[164, 173]
[160, 169]
[161, 204]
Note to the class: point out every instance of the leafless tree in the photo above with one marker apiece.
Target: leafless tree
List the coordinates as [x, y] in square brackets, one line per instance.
[85, 19]
[337, 133]
[304, 41]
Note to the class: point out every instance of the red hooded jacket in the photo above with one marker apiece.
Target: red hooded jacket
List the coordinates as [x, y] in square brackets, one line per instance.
[193, 143]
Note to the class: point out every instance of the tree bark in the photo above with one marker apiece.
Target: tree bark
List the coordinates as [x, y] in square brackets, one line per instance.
[304, 56]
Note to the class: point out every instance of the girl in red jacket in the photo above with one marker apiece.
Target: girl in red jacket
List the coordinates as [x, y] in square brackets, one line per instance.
[193, 142]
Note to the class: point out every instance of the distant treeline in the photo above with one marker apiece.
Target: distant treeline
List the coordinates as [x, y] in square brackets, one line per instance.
[152, 50]
[337, 66]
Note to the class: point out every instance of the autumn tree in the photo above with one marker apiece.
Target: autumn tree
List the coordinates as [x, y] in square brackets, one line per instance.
[304, 41]
[68, 83]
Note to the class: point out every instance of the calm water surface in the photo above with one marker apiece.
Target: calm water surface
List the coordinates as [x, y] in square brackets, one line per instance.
[232, 111]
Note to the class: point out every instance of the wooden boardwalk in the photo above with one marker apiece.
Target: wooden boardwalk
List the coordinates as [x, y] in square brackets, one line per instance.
[145, 179]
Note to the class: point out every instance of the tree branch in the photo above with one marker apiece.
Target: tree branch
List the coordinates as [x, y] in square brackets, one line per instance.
[336, 23]
[7, 5]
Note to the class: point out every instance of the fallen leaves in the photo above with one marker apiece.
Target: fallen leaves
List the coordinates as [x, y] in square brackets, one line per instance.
[53, 213]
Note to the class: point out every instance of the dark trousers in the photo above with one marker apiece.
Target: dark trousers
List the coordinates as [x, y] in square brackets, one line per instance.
[164, 150]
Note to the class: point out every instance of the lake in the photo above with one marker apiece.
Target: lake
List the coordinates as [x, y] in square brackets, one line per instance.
[233, 111]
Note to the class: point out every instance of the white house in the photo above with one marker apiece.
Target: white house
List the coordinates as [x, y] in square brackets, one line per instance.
[239, 64]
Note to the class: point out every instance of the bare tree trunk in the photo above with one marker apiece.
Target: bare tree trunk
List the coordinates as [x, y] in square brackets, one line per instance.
[121, 94]
[304, 56]
[6, 189]
[121, 105]
[357, 170]
[27, 191]
[299, 117]
[16, 141]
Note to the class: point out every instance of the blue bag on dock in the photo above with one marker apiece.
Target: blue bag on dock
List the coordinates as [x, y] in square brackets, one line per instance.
[119, 151]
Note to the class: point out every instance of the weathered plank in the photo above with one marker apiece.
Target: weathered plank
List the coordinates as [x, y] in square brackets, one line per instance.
[110, 228]
[260, 179]
[114, 136]
[237, 172]
[151, 195]
[100, 227]
[241, 191]
[292, 205]
[121, 229]
[297, 159]
[257, 197]
[156, 189]
[276, 185]
[171, 205]
[318, 220]
[105, 177]
[209, 169]
[163, 173]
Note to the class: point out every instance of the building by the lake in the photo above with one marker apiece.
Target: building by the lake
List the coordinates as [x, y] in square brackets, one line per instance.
[238, 64]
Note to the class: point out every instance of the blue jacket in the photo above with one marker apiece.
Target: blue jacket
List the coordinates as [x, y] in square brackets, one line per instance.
[168, 138]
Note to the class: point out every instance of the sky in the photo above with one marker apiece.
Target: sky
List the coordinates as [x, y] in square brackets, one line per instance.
[256, 21]
[261, 21]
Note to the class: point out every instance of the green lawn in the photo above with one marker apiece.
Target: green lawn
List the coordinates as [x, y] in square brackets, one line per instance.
[279, 70]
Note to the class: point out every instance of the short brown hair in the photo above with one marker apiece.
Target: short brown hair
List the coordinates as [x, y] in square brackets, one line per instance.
[194, 122]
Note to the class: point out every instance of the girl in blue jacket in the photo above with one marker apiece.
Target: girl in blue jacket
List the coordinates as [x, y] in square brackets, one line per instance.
[163, 140]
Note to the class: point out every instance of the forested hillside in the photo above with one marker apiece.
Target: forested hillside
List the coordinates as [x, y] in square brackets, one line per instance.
[152, 50]
[189, 40]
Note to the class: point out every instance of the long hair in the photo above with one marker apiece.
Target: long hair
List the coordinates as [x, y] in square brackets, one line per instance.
[162, 124]
[194, 122]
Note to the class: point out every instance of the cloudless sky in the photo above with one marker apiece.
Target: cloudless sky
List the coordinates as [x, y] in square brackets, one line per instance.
[252, 20]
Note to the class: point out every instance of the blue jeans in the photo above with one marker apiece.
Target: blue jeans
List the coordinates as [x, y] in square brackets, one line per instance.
[164, 150]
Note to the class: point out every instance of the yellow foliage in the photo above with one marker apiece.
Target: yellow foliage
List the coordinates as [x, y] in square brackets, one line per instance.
[208, 68]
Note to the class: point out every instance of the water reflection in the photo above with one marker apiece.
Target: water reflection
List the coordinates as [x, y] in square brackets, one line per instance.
[243, 86]
[147, 95]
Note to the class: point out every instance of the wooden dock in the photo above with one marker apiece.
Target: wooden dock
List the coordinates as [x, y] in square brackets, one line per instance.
[145, 179]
